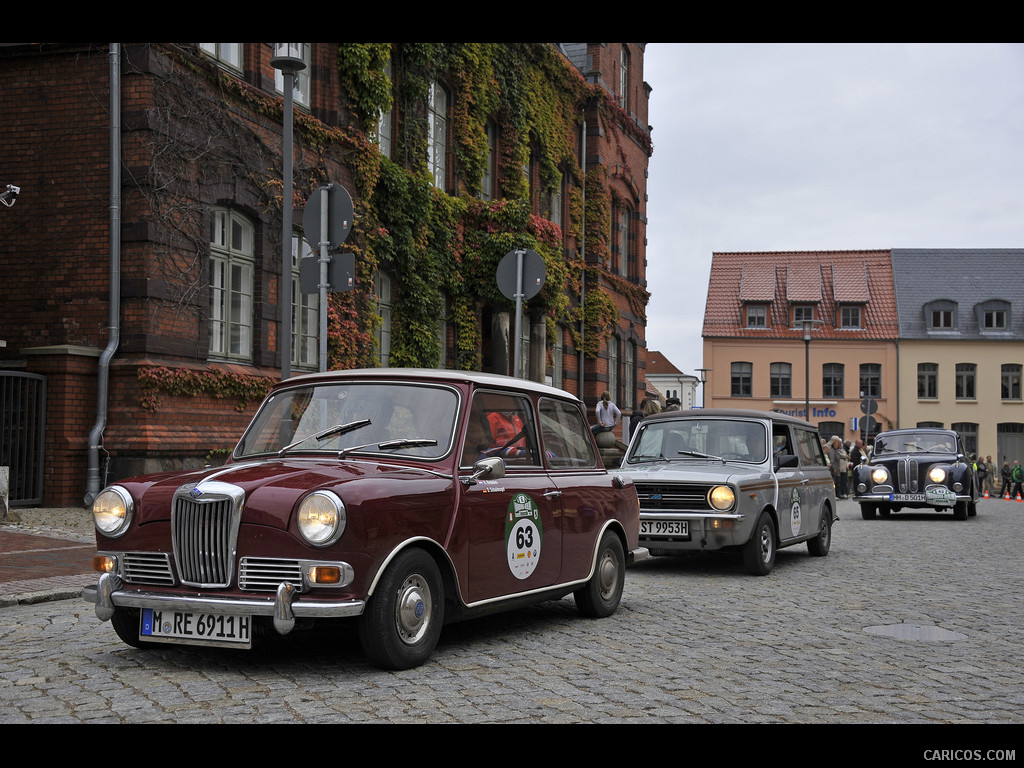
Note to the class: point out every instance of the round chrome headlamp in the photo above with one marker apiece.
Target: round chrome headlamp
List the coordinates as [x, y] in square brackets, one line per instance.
[879, 475]
[937, 474]
[322, 518]
[721, 498]
[112, 511]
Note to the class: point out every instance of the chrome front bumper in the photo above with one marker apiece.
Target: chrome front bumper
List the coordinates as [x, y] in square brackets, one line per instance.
[287, 605]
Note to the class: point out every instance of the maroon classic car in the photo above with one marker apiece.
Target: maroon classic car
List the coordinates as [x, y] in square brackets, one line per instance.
[401, 498]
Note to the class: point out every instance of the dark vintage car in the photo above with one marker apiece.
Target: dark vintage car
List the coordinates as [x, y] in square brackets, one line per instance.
[400, 499]
[916, 469]
[740, 480]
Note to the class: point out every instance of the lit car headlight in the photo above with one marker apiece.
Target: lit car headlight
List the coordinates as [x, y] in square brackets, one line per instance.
[721, 497]
[322, 518]
[937, 474]
[112, 511]
[879, 475]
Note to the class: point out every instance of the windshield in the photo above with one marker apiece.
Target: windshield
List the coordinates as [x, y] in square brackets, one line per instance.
[915, 442]
[688, 439]
[411, 420]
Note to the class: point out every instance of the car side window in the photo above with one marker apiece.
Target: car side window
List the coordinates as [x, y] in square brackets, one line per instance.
[501, 425]
[565, 435]
[809, 448]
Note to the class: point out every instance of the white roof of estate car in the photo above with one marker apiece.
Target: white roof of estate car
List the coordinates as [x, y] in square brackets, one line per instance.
[732, 413]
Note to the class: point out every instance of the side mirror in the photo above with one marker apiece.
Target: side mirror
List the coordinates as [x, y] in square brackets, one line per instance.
[491, 468]
[786, 460]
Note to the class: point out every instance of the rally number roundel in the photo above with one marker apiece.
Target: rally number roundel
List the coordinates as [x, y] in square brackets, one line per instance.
[523, 534]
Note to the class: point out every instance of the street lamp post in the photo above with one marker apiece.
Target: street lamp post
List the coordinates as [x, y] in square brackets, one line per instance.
[806, 326]
[287, 57]
[703, 389]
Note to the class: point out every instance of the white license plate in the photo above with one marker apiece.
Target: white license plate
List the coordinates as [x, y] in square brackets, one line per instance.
[664, 528]
[168, 626]
[906, 497]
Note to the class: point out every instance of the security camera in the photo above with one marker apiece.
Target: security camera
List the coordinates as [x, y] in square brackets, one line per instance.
[9, 194]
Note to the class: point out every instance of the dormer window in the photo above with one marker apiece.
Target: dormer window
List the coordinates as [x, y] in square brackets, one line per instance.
[941, 315]
[757, 316]
[850, 316]
[993, 316]
[803, 313]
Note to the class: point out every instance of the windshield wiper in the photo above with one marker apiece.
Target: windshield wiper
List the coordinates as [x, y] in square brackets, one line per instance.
[698, 455]
[403, 442]
[337, 429]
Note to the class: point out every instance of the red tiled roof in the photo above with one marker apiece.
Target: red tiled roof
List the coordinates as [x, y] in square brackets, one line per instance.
[657, 363]
[851, 277]
[850, 282]
[757, 282]
[803, 282]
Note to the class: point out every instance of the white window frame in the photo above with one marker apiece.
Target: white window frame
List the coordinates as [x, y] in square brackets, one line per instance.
[231, 55]
[437, 134]
[382, 294]
[305, 313]
[232, 270]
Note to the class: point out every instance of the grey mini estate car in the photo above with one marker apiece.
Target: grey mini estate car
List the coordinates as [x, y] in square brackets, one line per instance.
[750, 481]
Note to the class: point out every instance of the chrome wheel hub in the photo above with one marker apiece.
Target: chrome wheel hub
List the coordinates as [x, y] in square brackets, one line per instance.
[413, 609]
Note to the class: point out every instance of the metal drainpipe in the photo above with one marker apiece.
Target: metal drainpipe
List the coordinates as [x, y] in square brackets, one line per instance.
[103, 371]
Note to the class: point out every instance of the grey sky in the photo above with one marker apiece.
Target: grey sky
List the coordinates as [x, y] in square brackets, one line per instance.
[769, 147]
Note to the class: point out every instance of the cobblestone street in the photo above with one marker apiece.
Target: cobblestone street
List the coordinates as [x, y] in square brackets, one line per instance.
[912, 619]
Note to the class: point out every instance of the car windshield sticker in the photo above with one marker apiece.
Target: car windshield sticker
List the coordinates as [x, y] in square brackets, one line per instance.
[794, 512]
[522, 536]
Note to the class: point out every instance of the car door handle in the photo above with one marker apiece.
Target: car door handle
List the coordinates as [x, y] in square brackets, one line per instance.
[552, 494]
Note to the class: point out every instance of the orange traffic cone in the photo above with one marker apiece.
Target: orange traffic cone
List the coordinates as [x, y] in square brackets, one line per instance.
[1019, 498]
[986, 494]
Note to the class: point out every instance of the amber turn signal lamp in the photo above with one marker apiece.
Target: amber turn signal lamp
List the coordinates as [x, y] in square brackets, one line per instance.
[325, 574]
[104, 564]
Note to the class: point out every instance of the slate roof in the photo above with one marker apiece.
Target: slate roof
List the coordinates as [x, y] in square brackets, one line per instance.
[781, 278]
[967, 276]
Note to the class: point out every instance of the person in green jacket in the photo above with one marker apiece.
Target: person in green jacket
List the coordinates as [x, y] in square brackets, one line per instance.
[1017, 477]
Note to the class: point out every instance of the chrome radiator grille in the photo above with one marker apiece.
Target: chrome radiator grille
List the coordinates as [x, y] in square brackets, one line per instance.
[205, 531]
[906, 475]
[670, 497]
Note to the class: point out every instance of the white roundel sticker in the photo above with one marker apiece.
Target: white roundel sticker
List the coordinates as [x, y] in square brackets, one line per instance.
[523, 533]
[794, 513]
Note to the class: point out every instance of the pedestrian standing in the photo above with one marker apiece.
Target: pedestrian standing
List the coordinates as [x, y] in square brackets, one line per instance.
[991, 478]
[1017, 477]
[835, 450]
[1004, 476]
[983, 470]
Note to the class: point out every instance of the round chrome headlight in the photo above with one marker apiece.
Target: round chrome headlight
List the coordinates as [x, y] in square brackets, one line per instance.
[879, 475]
[937, 474]
[112, 511]
[721, 498]
[322, 518]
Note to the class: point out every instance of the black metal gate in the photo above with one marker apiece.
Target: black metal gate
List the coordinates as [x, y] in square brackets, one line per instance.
[22, 431]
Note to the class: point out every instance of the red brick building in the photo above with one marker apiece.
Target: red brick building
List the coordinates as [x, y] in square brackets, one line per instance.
[453, 154]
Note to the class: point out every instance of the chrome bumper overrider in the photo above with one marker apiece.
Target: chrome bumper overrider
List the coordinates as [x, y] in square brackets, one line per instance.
[109, 593]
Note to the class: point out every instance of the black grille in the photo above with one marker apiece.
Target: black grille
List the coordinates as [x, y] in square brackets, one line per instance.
[673, 498]
[204, 535]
